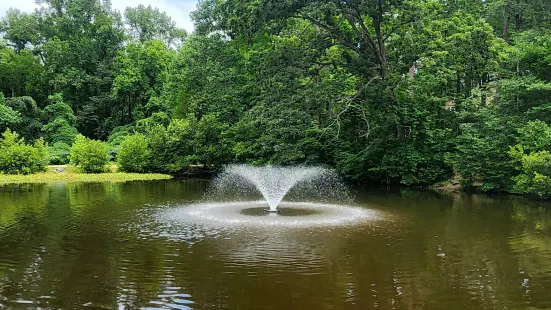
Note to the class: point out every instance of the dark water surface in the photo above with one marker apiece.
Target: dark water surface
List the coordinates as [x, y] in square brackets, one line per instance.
[102, 246]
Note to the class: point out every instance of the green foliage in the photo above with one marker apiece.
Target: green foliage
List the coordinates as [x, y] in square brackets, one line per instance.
[90, 156]
[59, 153]
[59, 131]
[140, 76]
[29, 125]
[19, 72]
[147, 23]
[8, 117]
[134, 154]
[397, 92]
[57, 108]
[535, 176]
[17, 157]
[60, 121]
[481, 158]
[118, 134]
[178, 152]
[533, 159]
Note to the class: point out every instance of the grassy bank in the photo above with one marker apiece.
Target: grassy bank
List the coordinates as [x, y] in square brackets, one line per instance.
[70, 176]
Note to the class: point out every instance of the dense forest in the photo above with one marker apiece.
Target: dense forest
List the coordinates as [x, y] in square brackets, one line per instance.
[412, 92]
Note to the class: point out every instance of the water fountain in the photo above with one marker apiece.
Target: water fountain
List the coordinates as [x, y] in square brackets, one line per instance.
[273, 182]
[306, 197]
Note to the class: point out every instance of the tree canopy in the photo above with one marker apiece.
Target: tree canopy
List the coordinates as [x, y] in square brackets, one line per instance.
[411, 92]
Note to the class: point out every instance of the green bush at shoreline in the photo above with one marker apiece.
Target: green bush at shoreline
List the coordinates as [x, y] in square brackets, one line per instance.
[18, 157]
[90, 156]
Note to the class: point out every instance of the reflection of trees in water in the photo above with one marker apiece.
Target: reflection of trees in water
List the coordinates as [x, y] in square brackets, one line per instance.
[469, 254]
[476, 251]
[458, 249]
[531, 245]
[65, 241]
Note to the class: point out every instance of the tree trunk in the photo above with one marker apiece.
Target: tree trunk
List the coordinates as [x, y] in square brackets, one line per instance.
[518, 21]
[377, 21]
[518, 17]
[129, 110]
[506, 23]
[411, 77]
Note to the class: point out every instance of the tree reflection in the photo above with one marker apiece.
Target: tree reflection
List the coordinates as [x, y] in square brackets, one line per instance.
[77, 245]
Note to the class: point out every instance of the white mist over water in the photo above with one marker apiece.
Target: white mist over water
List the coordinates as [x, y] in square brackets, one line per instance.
[275, 182]
[307, 196]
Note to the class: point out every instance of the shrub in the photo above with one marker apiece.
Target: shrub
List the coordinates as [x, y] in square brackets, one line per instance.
[118, 134]
[90, 156]
[535, 172]
[17, 157]
[134, 154]
[532, 159]
[59, 153]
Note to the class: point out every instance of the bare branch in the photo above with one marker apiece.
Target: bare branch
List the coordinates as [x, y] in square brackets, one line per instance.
[348, 105]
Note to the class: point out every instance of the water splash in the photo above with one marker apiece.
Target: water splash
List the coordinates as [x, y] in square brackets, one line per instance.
[228, 215]
[274, 182]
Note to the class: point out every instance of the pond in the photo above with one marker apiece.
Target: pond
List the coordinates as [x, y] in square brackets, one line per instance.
[104, 246]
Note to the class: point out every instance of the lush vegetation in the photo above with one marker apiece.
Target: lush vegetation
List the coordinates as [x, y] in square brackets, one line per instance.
[18, 157]
[89, 155]
[410, 92]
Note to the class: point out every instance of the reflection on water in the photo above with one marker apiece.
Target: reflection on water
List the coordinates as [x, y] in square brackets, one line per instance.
[75, 246]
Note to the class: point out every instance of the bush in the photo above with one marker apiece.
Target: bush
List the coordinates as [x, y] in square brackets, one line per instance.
[134, 154]
[118, 134]
[533, 159]
[59, 153]
[90, 156]
[17, 157]
[535, 172]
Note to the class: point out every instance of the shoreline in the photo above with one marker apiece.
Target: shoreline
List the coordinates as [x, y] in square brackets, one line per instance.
[72, 177]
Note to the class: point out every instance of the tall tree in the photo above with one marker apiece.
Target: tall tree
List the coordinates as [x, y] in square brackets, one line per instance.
[147, 23]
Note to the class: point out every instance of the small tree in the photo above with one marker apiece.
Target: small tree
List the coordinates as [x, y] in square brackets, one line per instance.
[90, 156]
[134, 154]
[17, 157]
[59, 120]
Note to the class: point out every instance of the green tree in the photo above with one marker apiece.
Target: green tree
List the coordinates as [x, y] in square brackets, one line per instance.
[147, 23]
[19, 72]
[59, 121]
[82, 39]
[141, 72]
[30, 124]
[59, 153]
[20, 29]
[533, 159]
